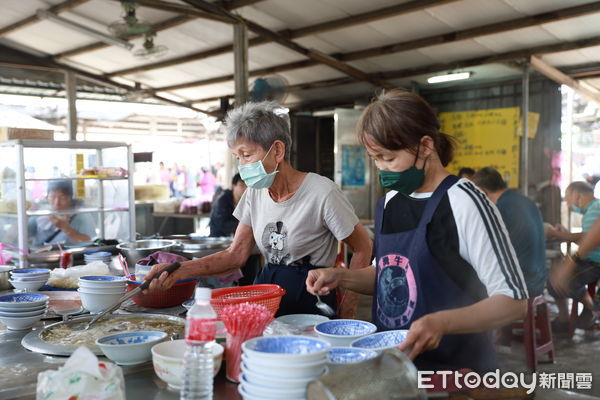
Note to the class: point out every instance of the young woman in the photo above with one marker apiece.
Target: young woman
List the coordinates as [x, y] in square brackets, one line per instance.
[445, 268]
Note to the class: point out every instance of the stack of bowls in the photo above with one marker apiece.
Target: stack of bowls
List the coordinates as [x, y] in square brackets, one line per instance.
[342, 332]
[100, 292]
[20, 311]
[103, 256]
[29, 280]
[280, 367]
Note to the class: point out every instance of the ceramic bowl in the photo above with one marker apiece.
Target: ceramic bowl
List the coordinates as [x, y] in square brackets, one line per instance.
[337, 357]
[342, 332]
[102, 281]
[130, 348]
[31, 286]
[25, 278]
[382, 340]
[20, 323]
[286, 349]
[97, 302]
[167, 358]
[30, 272]
[257, 378]
[301, 324]
[247, 396]
[267, 392]
[21, 314]
[121, 291]
[284, 370]
[22, 301]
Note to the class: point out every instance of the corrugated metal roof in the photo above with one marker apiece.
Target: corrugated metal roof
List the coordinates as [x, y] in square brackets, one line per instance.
[197, 35]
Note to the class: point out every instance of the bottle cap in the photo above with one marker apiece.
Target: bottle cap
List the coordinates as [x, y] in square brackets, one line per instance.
[202, 293]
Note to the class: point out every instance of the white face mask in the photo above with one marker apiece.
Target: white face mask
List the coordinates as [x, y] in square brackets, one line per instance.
[255, 176]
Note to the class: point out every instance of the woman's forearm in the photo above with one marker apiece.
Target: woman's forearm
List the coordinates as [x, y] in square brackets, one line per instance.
[75, 236]
[491, 313]
[360, 280]
[220, 263]
[361, 246]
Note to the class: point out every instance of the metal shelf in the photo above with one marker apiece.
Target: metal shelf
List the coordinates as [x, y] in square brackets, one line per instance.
[76, 211]
[15, 215]
[76, 178]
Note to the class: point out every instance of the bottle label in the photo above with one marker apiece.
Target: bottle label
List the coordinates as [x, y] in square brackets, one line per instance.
[201, 330]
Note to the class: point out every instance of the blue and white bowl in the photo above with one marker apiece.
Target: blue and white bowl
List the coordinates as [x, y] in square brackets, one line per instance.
[103, 256]
[30, 272]
[258, 378]
[26, 278]
[22, 301]
[23, 309]
[298, 349]
[268, 392]
[103, 282]
[22, 314]
[130, 348]
[382, 340]
[28, 285]
[342, 332]
[20, 323]
[339, 356]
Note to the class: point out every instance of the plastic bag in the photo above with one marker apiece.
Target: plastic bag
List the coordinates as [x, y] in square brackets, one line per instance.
[82, 378]
[69, 278]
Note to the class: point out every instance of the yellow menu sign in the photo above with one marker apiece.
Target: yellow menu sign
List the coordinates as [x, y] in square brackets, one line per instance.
[486, 138]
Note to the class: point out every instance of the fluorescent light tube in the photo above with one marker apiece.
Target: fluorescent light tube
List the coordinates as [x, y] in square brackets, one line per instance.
[449, 77]
[43, 14]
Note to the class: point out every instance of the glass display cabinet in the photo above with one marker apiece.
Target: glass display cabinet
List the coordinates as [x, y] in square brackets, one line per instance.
[64, 192]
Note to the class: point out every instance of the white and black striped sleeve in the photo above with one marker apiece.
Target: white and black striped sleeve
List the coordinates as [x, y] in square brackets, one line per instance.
[484, 241]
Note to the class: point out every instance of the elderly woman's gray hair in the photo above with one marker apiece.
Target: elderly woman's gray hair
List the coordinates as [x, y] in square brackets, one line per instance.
[262, 123]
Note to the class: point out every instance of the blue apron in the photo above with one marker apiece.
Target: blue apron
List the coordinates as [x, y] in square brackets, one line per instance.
[292, 278]
[410, 284]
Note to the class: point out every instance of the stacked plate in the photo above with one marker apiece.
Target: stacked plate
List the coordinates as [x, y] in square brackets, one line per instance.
[22, 310]
[29, 280]
[103, 256]
[280, 367]
[100, 292]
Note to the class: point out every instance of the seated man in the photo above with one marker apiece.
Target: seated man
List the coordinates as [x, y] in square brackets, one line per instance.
[570, 279]
[525, 227]
[59, 227]
[222, 221]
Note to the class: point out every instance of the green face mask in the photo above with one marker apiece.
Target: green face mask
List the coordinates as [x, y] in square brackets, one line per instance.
[406, 181]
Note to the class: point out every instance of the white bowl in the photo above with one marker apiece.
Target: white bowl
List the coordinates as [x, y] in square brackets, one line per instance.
[24, 309]
[257, 378]
[167, 358]
[381, 341]
[301, 324]
[20, 323]
[247, 396]
[266, 392]
[130, 348]
[284, 370]
[22, 301]
[121, 291]
[29, 278]
[286, 349]
[342, 332]
[102, 281]
[30, 272]
[31, 286]
[97, 302]
[21, 314]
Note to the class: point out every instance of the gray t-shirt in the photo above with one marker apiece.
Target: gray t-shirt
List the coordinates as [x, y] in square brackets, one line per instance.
[308, 224]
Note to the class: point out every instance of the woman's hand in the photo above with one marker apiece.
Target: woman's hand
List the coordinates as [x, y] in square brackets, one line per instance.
[164, 280]
[61, 223]
[424, 334]
[321, 281]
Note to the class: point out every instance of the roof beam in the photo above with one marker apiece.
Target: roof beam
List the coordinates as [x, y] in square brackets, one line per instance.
[370, 16]
[64, 6]
[406, 73]
[159, 26]
[277, 38]
[50, 63]
[180, 9]
[559, 77]
[451, 37]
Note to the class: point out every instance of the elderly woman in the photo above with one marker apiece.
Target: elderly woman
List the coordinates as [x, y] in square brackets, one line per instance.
[295, 218]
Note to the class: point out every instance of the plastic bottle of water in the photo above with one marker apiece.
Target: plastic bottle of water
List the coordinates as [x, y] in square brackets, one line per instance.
[200, 332]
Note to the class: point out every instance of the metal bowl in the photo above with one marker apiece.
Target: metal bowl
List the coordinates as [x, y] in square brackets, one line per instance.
[142, 248]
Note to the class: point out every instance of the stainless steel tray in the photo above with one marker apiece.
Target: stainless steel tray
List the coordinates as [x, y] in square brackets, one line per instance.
[33, 341]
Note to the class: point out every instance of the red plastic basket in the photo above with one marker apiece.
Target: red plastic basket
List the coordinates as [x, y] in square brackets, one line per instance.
[175, 295]
[268, 295]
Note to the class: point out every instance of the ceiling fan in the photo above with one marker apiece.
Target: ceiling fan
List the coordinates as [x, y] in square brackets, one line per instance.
[129, 25]
[149, 49]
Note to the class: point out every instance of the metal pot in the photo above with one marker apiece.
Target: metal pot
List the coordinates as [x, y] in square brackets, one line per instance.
[4, 276]
[143, 248]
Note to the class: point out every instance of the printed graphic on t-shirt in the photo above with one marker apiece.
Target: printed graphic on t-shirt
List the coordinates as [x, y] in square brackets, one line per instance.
[397, 291]
[274, 240]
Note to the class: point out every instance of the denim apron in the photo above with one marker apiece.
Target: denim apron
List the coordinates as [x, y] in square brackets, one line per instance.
[410, 284]
[292, 278]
